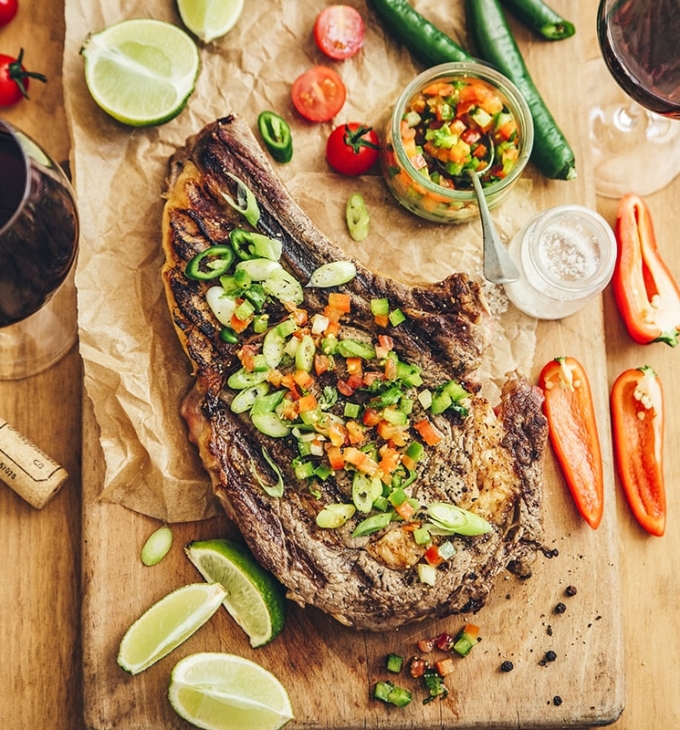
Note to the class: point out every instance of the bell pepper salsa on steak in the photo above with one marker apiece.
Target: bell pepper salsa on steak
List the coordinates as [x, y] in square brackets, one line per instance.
[338, 412]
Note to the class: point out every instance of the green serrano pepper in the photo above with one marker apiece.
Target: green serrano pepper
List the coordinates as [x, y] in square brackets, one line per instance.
[541, 19]
[496, 45]
[276, 134]
[425, 41]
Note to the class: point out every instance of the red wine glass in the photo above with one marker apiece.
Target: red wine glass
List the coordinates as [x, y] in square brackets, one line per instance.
[38, 248]
[635, 134]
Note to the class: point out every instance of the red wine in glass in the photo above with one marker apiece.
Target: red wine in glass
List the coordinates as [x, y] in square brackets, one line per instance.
[640, 43]
[38, 227]
[38, 248]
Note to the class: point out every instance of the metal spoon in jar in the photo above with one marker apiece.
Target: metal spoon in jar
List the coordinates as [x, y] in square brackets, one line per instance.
[498, 267]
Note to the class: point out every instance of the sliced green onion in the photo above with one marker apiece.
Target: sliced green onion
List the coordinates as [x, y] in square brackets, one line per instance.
[245, 202]
[273, 490]
[221, 305]
[270, 424]
[333, 516]
[356, 215]
[242, 378]
[258, 269]
[334, 273]
[246, 398]
[365, 491]
[372, 524]
[284, 286]
[304, 355]
[157, 546]
[449, 519]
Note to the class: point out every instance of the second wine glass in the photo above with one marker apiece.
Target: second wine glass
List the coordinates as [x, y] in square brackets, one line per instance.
[635, 134]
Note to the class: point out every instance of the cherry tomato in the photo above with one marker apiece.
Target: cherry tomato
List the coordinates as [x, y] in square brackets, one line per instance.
[352, 149]
[14, 79]
[8, 9]
[339, 31]
[318, 94]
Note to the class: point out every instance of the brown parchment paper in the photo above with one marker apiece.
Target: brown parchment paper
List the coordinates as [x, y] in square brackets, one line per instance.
[135, 371]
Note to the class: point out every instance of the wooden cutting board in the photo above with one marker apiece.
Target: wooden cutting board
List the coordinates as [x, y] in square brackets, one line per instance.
[330, 670]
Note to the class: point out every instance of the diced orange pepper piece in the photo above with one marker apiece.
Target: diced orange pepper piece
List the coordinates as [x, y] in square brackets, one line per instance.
[428, 432]
[339, 301]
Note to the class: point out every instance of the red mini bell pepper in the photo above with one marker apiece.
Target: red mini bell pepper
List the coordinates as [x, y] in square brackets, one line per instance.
[574, 436]
[647, 295]
[637, 424]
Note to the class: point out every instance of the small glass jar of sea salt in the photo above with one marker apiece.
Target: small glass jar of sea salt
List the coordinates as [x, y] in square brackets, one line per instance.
[566, 256]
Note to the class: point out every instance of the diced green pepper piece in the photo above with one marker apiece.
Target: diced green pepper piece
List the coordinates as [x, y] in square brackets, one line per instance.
[394, 663]
[276, 135]
[391, 694]
[380, 307]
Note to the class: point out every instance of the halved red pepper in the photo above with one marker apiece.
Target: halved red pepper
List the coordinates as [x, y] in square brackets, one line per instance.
[646, 293]
[637, 424]
[573, 432]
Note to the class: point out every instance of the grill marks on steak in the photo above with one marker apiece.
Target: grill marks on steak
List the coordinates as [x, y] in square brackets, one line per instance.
[489, 462]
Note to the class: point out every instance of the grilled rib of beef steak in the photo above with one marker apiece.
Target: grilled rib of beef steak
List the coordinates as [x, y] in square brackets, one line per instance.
[486, 460]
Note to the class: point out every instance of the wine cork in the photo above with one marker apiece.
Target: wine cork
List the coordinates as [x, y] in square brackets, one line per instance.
[32, 474]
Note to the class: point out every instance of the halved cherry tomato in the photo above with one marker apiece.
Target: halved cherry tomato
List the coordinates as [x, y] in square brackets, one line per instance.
[339, 31]
[352, 149]
[318, 94]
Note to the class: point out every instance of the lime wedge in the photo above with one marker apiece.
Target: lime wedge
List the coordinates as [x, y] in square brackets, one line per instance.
[168, 623]
[254, 597]
[210, 19]
[141, 71]
[226, 692]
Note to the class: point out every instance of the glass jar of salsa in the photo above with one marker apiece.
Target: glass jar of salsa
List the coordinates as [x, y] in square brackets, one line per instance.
[449, 120]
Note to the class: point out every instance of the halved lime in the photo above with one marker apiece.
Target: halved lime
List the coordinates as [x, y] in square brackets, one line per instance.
[209, 19]
[141, 71]
[226, 692]
[168, 623]
[254, 597]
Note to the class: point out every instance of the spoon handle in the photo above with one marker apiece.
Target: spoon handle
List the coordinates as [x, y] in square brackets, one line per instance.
[499, 267]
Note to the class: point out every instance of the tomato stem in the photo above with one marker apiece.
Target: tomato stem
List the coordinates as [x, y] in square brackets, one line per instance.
[17, 74]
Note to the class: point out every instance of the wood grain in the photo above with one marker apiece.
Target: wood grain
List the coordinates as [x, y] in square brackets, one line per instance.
[40, 590]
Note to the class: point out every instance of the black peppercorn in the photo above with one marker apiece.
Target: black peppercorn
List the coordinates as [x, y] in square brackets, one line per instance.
[550, 656]
[571, 591]
[557, 700]
[560, 608]
[507, 666]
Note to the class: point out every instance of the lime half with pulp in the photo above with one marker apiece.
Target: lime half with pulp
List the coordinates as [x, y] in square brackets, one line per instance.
[141, 71]
[254, 597]
[210, 19]
[217, 691]
[167, 624]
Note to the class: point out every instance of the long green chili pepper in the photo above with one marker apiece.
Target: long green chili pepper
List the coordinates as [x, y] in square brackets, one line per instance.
[495, 44]
[541, 19]
[425, 41]
[276, 134]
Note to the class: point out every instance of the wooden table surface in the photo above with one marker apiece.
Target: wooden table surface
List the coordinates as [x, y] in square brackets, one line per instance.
[40, 597]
